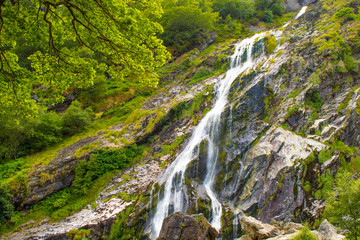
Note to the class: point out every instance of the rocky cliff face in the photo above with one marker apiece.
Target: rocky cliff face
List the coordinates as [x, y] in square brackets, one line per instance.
[286, 129]
[290, 123]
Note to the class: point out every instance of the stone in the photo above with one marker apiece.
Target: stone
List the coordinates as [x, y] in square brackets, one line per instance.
[329, 231]
[287, 227]
[195, 227]
[257, 230]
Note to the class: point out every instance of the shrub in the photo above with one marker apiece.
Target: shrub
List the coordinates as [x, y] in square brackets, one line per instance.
[270, 44]
[350, 63]
[305, 234]
[324, 155]
[47, 131]
[6, 208]
[102, 161]
[236, 9]
[202, 73]
[75, 119]
[79, 234]
[186, 26]
[343, 207]
[313, 99]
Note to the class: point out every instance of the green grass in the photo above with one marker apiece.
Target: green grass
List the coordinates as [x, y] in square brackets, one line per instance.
[305, 234]
[345, 103]
[325, 155]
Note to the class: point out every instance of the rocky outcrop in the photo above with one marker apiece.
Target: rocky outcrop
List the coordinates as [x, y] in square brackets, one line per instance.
[97, 219]
[195, 227]
[257, 230]
[329, 232]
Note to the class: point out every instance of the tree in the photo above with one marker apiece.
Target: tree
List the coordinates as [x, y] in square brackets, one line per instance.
[266, 9]
[69, 42]
[6, 208]
[343, 207]
[186, 24]
[237, 9]
[75, 119]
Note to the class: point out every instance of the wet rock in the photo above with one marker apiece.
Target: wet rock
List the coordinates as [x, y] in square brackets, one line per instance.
[351, 133]
[195, 227]
[257, 230]
[292, 5]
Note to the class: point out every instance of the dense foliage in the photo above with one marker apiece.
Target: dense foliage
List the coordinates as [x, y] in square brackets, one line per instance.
[6, 208]
[34, 134]
[241, 10]
[186, 25]
[48, 47]
[102, 161]
[305, 234]
[343, 207]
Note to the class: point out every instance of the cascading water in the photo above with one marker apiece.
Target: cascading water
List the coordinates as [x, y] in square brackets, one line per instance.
[207, 129]
[173, 197]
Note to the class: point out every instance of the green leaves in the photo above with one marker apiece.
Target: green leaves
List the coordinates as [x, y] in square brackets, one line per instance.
[343, 207]
[117, 36]
[186, 25]
[242, 10]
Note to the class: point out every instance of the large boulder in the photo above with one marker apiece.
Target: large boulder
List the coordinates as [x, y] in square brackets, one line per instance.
[195, 227]
[256, 230]
[329, 231]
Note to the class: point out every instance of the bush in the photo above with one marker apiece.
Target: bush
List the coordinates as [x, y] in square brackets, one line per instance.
[305, 234]
[350, 63]
[236, 9]
[202, 72]
[313, 99]
[6, 208]
[47, 131]
[266, 9]
[343, 207]
[186, 26]
[270, 44]
[75, 119]
[102, 161]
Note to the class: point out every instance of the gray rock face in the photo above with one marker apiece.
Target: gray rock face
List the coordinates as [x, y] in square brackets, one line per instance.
[195, 227]
[293, 5]
[59, 172]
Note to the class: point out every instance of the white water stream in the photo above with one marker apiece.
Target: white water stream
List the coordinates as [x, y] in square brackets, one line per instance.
[174, 195]
[206, 130]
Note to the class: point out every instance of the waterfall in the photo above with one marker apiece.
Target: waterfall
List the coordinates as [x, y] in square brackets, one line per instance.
[207, 129]
[302, 11]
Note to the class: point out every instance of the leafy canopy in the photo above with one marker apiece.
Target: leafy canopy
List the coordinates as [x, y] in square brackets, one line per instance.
[237, 9]
[64, 44]
[187, 23]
